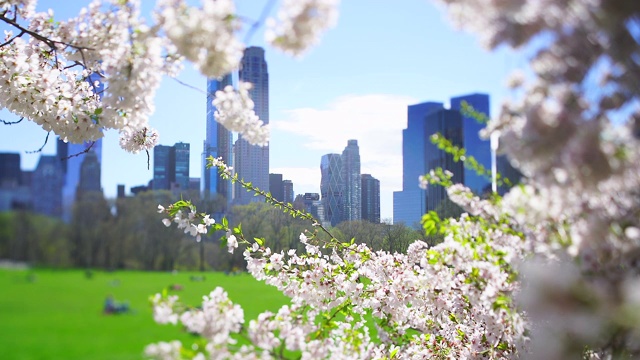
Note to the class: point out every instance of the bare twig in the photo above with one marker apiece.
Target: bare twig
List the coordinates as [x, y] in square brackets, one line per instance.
[256, 24]
[81, 152]
[46, 139]
[148, 159]
[4, 122]
[190, 86]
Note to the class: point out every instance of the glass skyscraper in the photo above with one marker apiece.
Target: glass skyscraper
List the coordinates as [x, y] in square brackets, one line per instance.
[479, 148]
[251, 161]
[370, 198]
[331, 188]
[218, 143]
[449, 124]
[352, 195]
[409, 204]
[171, 167]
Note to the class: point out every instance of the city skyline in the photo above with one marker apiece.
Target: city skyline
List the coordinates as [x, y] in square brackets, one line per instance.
[365, 92]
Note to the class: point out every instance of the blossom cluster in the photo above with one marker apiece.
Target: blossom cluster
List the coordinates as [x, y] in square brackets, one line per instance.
[234, 110]
[300, 24]
[100, 70]
[186, 218]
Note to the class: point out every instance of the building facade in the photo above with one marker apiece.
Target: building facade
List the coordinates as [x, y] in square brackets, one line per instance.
[475, 146]
[218, 144]
[370, 198]
[47, 184]
[352, 193]
[252, 161]
[449, 124]
[331, 188]
[171, 167]
[409, 204]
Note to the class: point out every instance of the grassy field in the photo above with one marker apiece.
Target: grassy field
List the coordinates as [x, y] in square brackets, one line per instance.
[56, 314]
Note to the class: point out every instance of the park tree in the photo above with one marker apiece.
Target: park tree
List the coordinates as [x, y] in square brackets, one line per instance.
[548, 271]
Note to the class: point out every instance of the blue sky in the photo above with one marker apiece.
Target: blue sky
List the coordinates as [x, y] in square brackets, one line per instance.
[356, 84]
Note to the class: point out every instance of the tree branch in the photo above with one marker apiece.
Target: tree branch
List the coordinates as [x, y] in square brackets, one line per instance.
[46, 139]
[4, 122]
[81, 152]
[46, 40]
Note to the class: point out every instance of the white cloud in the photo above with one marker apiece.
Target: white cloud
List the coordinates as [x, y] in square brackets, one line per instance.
[376, 121]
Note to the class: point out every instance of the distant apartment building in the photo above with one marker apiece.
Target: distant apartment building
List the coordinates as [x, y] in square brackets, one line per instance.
[46, 186]
[370, 198]
[171, 167]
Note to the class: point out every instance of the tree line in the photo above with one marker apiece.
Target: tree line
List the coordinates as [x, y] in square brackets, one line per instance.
[127, 233]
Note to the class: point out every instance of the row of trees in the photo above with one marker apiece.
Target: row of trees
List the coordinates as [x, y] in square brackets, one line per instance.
[126, 234]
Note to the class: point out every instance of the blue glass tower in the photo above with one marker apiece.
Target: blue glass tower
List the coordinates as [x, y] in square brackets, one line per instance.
[479, 148]
[410, 204]
[218, 143]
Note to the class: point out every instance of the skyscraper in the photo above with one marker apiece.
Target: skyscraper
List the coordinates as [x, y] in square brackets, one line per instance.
[72, 156]
[352, 182]
[162, 167]
[10, 173]
[181, 161]
[218, 143]
[479, 148]
[171, 167]
[71, 167]
[409, 204]
[287, 191]
[251, 161]
[46, 185]
[449, 124]
[331, 188]
[370, 198]
[89, 175]
[275, 186]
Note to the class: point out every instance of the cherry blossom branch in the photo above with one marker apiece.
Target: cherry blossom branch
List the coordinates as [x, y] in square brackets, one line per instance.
[51, 43]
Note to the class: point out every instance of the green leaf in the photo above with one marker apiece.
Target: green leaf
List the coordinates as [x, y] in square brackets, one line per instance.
[259, 241]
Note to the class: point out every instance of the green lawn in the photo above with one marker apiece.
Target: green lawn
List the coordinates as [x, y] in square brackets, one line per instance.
[57, 314]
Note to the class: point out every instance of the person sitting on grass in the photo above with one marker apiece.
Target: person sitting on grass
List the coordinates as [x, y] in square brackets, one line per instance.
[112, 307]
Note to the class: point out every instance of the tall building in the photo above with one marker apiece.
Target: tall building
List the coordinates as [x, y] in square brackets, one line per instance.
[171, 167]
[479, 148]
[370, 198]
[10, 173]
[287, 191]
[352, 183]
[331, 188]
[72, 156]
[276, 187]
[162, 167]
[251, 161]
[409, 204]
[218, 143]
[47, 183]
[15, 190]
[89, 175]
[181, 161]
[449, 124]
